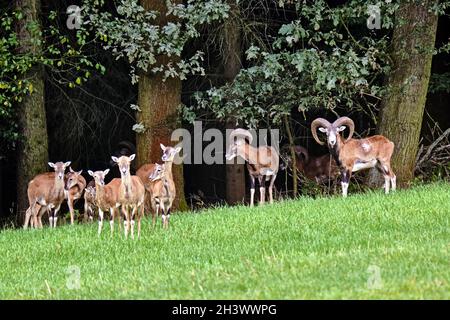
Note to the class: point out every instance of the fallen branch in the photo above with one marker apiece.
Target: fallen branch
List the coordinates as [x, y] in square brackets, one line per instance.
[435, 155]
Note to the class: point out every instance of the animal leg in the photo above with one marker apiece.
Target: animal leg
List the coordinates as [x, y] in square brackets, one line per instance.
[163, 215]
[86, 213]
[394, 182]
[392, 177]
[252, 190]
[262, 193]
[119, 216]
[27, 218]
[35, 210]
[39, 212]
[389, 176]
[31, 222]
[272, 181]
[147, 203]
[50, 217]
[346, 174]
[111, 220]
[168, 217]
[141, 214]
[126, 220]
[100, 221]
[55, 216]
[262, 190]
[139, 226]
[133, 214]
[155, 213]
[387, 183]
[70, 204]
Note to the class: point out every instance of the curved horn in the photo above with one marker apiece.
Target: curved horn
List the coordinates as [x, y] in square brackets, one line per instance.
[241, 133]
[319, 122]
[299, 150]
[345, 121]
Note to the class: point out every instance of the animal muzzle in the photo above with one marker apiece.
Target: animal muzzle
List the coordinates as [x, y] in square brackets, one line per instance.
[332, 140]
[153, 177]
[229, 156]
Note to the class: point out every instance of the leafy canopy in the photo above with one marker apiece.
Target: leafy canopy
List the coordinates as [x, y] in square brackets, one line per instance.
[325, 57]
[138, 35]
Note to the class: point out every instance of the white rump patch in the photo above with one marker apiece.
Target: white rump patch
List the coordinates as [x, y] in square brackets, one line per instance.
[267, 172]
[364, 165]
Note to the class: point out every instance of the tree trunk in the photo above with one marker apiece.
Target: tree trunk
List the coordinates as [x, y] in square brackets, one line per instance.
[159, 101]
[235, 173]
[403, 107]
[33, 146]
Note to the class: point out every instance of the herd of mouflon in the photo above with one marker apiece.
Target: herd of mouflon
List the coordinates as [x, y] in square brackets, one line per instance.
[153, 187]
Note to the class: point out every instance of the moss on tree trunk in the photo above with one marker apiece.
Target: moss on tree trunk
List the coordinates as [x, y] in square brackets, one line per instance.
[159, 101]
[33, 146]
[403, 107]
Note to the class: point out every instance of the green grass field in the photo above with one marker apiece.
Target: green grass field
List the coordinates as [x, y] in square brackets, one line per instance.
[368, 246]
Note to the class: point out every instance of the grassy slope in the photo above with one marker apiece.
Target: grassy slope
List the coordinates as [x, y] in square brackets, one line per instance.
[291, 250]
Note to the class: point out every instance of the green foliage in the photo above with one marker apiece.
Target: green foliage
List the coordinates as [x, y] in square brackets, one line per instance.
[136, 34]
[62, 57]
[131, 32]
[326, 57]
[439, 82]
[297, 249]
[315, 63]
[12, 87]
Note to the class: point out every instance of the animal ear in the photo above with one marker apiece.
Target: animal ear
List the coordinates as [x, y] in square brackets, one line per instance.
[150, 175]
[163, 147]
[341, 128]
[80, 172]
[322, 129]
[67, 164]
[106, 172]
[91, 173]
[177, 149]
[51, 164]
[132, 157]
[71, 170]
[115, 159]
